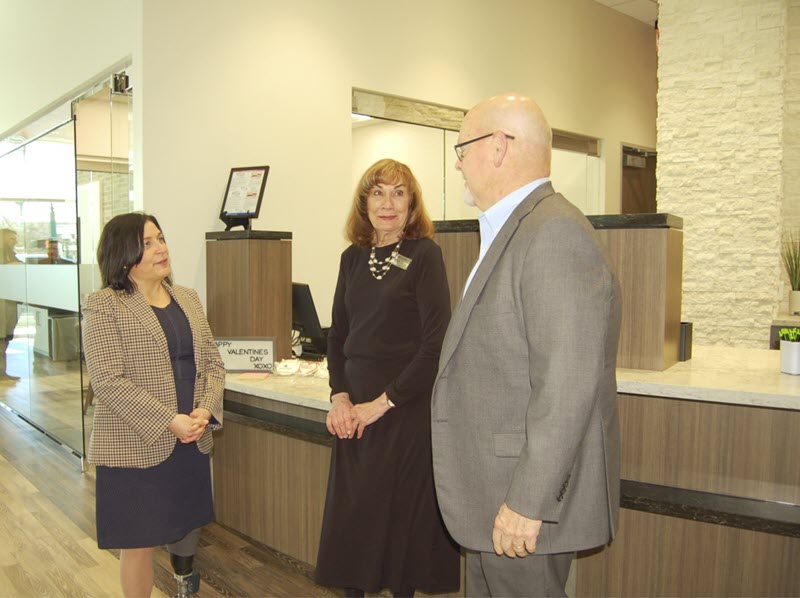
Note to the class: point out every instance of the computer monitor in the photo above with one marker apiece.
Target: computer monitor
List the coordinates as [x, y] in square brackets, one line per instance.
[305, 320]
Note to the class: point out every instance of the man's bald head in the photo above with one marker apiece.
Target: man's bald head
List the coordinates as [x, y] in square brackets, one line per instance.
[521, 117]
[509, 163]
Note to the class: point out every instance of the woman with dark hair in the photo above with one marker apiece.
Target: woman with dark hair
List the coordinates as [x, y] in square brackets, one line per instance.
[381, 525]
[158, 381]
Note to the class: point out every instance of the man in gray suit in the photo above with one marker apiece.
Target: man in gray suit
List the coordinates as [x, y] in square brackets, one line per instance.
[524, 414]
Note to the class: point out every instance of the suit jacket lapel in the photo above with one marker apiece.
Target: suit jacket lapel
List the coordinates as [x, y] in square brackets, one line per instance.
[465, 305]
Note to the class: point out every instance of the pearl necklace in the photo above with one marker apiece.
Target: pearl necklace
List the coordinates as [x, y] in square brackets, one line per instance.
[379, 268]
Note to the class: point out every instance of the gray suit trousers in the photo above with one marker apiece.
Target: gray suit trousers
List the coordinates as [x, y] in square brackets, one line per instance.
[500, 576]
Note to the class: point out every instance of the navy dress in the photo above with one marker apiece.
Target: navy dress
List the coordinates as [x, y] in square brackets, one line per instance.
[137, 508]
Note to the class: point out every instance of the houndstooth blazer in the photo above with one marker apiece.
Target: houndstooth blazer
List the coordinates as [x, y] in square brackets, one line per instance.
[131, 375]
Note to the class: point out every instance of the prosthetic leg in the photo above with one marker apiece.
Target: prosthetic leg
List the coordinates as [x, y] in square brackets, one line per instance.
[181, 556]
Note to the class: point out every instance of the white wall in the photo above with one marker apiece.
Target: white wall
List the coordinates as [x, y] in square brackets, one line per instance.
[254, 82]
[50, 49]
[247, 82]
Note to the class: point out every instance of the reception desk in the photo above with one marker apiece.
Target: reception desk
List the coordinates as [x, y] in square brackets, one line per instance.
[710, 467]
[711, 481]
[710, 491]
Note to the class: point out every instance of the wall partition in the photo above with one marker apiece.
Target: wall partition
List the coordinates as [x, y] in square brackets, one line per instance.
[61, 178]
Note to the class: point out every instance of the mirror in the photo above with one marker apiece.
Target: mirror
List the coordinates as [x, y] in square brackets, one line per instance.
[422, 135]
[419, 134]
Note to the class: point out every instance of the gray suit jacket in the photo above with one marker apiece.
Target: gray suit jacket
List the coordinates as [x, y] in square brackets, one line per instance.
[524, 406]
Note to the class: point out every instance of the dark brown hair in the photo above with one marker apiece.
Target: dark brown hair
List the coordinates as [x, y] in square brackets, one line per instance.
[388, 172]
[121, 247]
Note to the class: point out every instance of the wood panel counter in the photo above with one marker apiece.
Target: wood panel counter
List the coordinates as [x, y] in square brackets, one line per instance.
[710, 468]
[711, 481]
[645, 250]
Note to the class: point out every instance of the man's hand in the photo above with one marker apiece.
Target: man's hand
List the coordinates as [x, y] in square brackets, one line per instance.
[514, 535]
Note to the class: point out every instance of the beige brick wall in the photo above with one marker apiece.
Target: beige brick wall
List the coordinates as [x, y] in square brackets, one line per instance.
[791, 124]
[722, 75]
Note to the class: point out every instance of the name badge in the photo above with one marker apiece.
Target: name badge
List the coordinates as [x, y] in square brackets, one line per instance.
[401, 261]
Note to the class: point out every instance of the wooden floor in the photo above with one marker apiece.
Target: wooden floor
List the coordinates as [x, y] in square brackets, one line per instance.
[47, 535]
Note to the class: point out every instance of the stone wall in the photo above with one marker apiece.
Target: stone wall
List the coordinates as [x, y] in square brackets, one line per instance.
[791, 124]
[722, 75]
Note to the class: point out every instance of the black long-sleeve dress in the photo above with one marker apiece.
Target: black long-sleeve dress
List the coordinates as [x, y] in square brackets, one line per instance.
[381, 526]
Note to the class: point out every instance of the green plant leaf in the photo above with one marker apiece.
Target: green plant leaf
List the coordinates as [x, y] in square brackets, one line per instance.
[790, 254]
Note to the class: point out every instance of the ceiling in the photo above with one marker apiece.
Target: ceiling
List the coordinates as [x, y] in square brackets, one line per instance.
[641, 10]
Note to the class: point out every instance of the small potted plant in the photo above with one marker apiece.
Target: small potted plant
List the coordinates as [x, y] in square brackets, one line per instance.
[790, 254]
[790, 350]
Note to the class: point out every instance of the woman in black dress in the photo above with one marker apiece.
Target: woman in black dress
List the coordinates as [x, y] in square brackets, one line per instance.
[381, 526]
[158, 381]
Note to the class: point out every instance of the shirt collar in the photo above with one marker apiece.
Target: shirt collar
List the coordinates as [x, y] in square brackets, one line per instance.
[496, 216]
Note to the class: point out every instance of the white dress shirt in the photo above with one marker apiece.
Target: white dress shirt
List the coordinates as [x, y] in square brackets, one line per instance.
[493, 219]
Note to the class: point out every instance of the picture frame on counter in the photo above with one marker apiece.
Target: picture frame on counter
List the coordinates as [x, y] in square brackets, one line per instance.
[243, 195]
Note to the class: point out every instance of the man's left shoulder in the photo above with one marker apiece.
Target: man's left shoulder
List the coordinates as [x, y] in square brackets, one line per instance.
[556, 212]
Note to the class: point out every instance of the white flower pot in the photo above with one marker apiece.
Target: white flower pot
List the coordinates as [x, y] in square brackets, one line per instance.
[790, 357]
[794, 302]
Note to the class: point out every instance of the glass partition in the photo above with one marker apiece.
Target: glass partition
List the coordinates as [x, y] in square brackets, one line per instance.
[60, 181]
[105, 184]
[39, 284]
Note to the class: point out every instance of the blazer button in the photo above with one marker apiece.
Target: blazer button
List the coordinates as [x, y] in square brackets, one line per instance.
[198, 375]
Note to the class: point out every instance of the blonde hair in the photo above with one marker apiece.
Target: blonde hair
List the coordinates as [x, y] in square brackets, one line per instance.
[359, 229]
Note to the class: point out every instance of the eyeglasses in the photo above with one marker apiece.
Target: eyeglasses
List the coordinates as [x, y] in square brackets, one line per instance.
[459, 147]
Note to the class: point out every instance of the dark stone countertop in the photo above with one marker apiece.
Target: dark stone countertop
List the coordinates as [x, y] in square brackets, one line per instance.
[227, 235]
[280, 423]
[636, 221]
[719, 509]
[456, 226]
[602, 221]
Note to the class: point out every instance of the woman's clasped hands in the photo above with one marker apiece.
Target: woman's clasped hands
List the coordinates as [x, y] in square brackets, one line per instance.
[189, 428]
[341, 421]
[346, 420]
